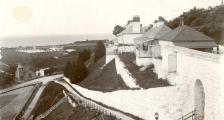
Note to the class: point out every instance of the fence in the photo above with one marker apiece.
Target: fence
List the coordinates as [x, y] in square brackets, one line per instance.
[51, 109]
[94, 106]
[190, 115]
[82, 100]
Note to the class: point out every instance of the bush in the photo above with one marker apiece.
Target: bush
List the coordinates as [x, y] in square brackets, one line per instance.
[68, 69]
[100, 51]
[85, 55]
[77, 71]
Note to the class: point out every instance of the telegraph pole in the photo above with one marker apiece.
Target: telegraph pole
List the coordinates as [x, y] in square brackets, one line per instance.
[222, 2]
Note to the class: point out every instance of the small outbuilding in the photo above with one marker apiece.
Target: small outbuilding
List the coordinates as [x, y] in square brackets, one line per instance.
[24, 73]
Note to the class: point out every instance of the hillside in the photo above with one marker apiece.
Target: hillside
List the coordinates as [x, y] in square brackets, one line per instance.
[103, 78]
[145, 79]
[210, 21]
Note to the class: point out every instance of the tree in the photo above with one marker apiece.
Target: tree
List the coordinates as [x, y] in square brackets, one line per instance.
[100, 51]
[84, 55]
[76, 71]
[160, 18]
[117, 29]
[68, 69]
[80, 71]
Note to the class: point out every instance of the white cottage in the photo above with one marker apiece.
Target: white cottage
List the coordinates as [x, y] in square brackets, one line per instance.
[125, 40]
[143, 44]
[132, 30]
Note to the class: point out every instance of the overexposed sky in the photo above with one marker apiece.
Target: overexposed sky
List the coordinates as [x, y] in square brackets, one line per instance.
[43, 17]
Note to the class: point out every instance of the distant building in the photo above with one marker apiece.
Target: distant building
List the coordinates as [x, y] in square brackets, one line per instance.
[146, 40]
[149, 44]
[132, 30]
[24, 73]
[144, 44]
[41, 72]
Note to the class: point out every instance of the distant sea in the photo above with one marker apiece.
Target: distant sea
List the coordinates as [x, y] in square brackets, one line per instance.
[16, 41]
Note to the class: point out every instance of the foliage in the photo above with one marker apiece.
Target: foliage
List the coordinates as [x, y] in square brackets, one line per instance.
[77, 70]
[100, 51]
[39, 62]
[160, 18]
[118, 29]
[209, 21]
[6, 79]
[68, 69]
[85, 54]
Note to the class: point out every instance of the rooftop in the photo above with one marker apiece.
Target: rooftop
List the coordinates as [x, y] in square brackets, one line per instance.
[185, 33]
[154, 33]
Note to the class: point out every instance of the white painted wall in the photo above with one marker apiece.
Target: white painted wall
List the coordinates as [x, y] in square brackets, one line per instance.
[136, 27]
[111, 51]
[128, 39]
[143, 61]
[126, 48]
[129, 80]
[193, 65]
[221, 49]
[109, 58]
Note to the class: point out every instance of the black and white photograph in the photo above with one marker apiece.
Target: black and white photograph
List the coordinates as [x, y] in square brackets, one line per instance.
[111, 59]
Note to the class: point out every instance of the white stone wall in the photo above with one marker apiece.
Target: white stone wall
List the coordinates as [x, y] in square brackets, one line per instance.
[125, 49]
[129, 80]
[136, 27]
[143, 61]
[128, 39]
[221, 49]
[193, 65]
[109, 58]
[111, 51]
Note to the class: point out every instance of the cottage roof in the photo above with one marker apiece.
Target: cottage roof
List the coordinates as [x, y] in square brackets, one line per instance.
[154, 33]
[188, 37]
[128, 30]
[185, 33]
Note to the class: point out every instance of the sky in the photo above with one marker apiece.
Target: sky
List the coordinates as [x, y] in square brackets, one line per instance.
[62, 17]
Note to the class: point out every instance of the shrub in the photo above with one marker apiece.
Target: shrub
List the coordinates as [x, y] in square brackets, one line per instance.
[100, 51]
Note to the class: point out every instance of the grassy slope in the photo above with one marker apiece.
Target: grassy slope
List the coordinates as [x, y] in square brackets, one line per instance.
[50, 96]
[145, 79]
[105, 79]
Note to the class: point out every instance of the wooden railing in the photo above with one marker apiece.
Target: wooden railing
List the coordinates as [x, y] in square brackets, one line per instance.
[143, 53]
[43, 115]
[188, 116]
[152, 51]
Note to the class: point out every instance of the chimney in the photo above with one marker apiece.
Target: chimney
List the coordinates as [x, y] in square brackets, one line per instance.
[181, 21]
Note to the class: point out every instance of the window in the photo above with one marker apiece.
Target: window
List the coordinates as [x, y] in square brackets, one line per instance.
[145, 47]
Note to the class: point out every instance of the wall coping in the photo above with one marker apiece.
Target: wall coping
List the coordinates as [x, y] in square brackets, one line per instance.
[194, 53]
